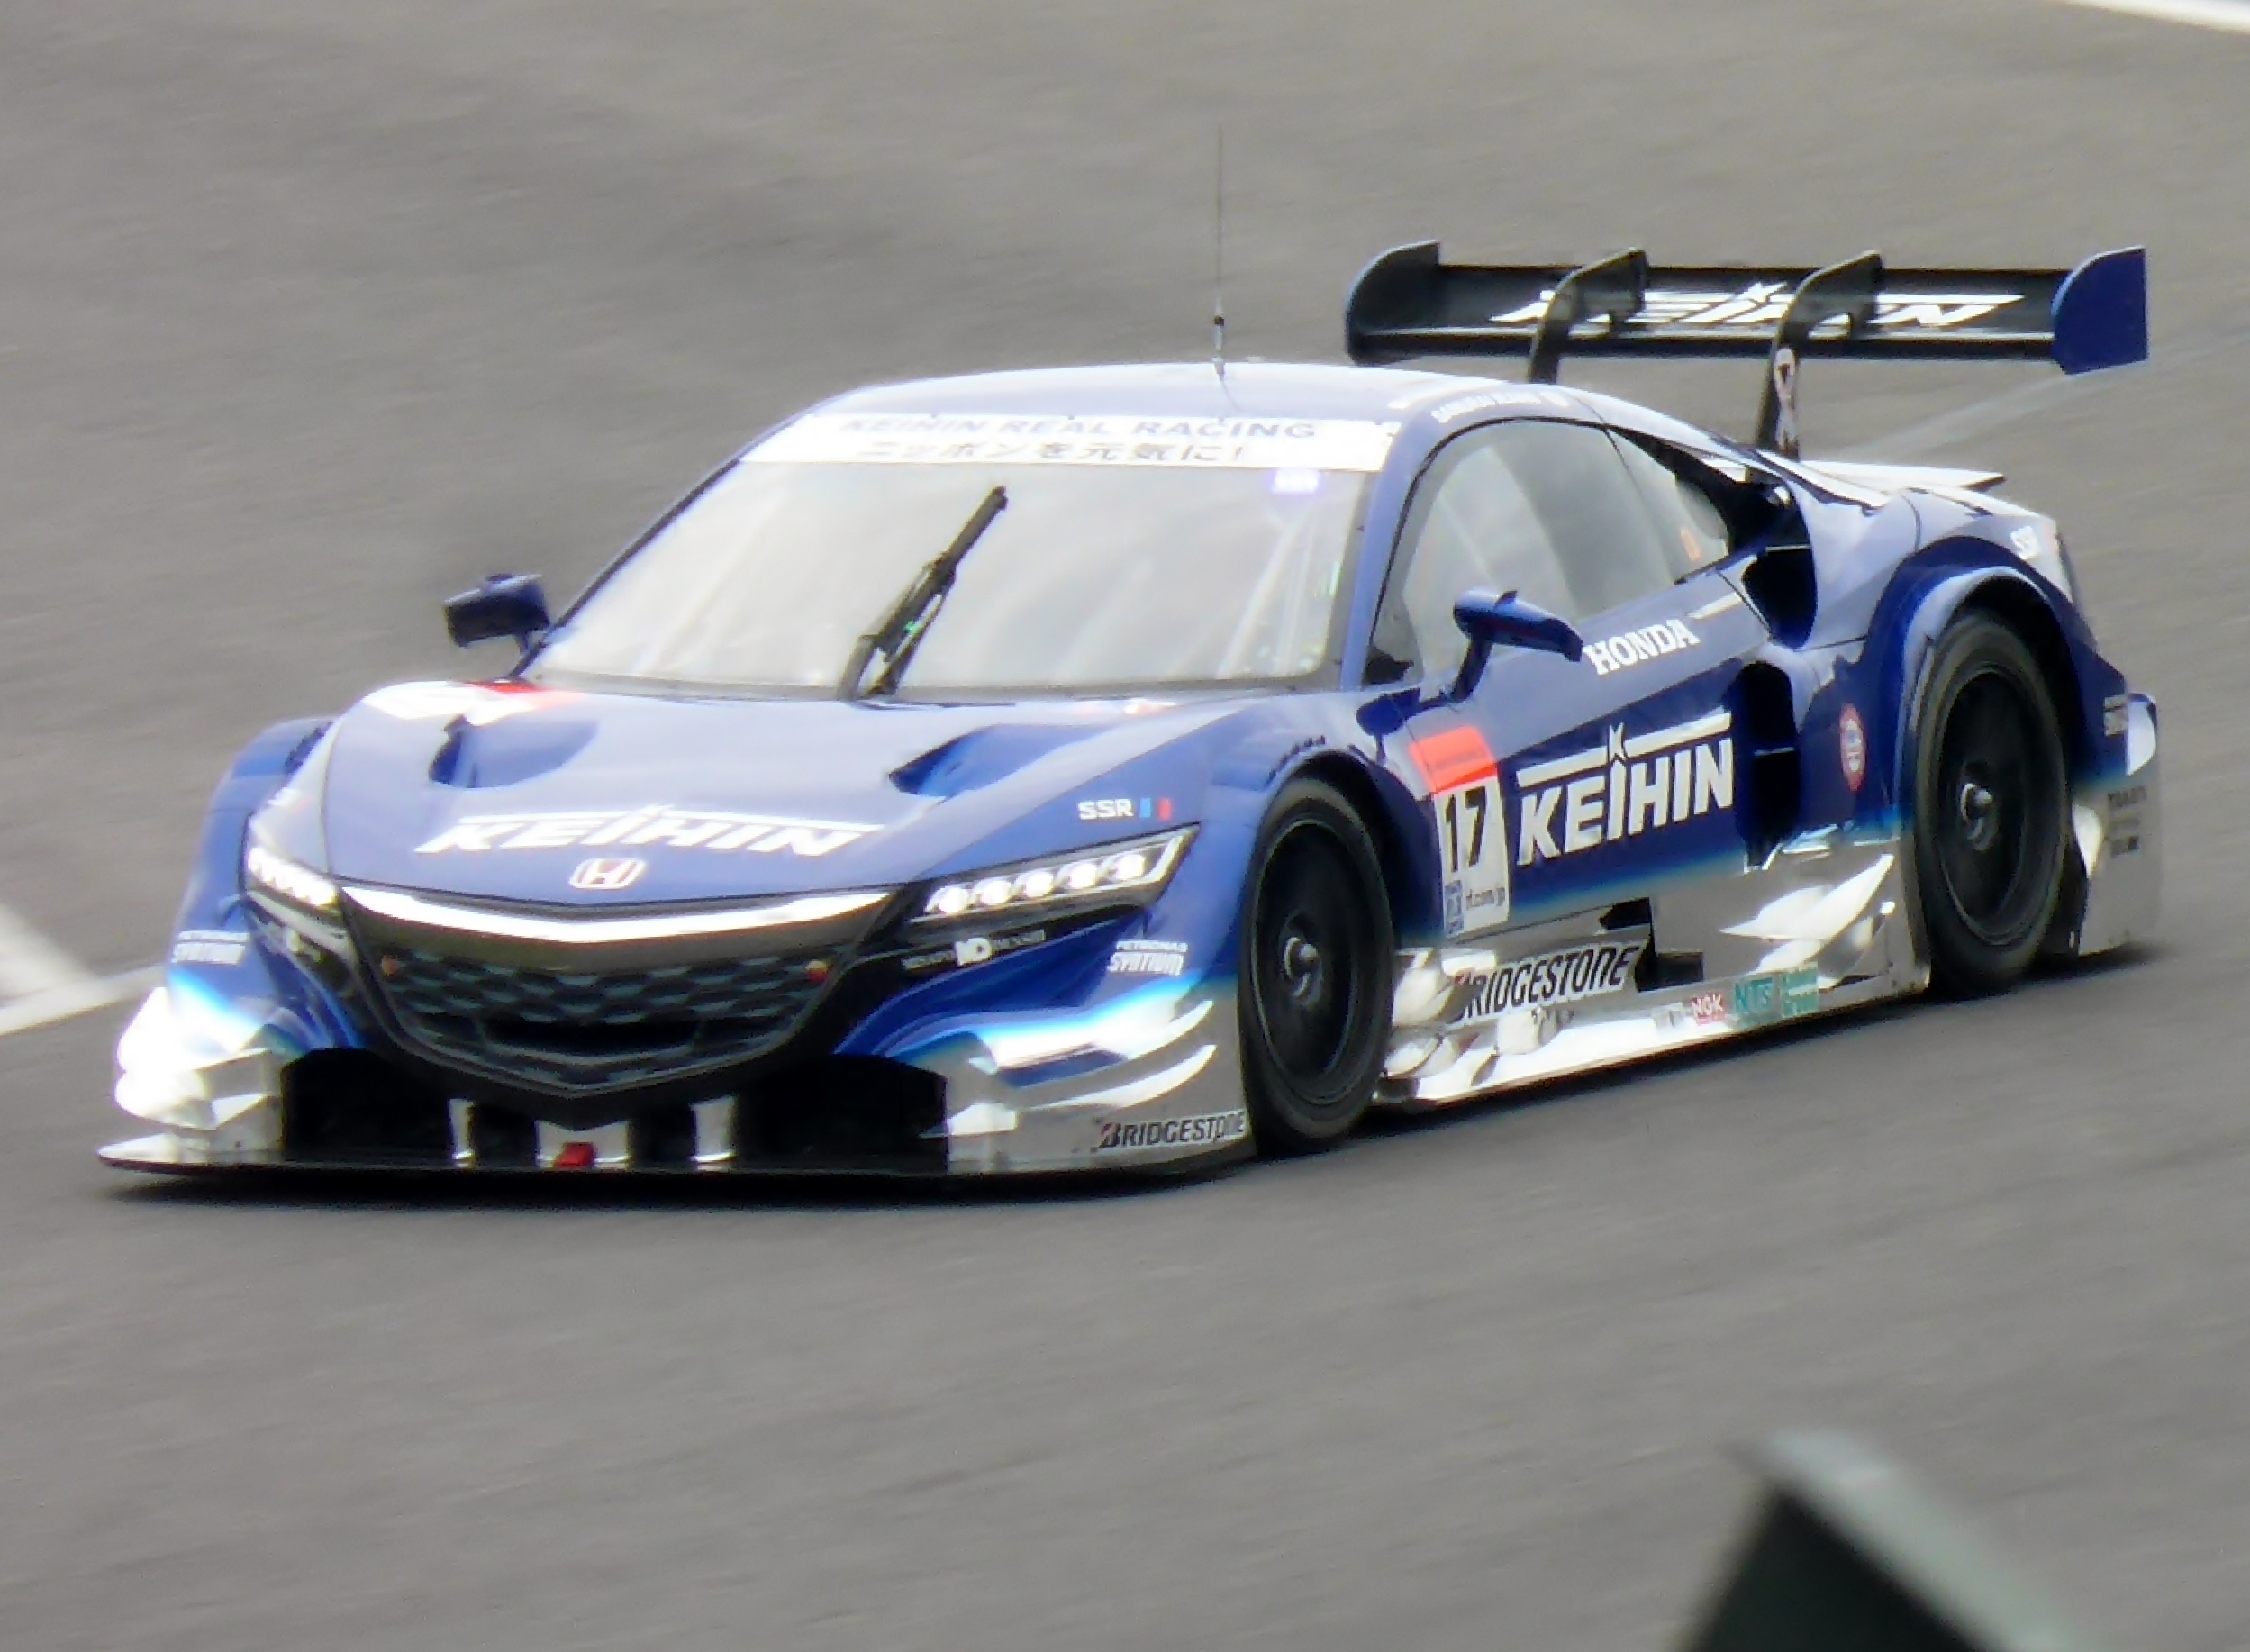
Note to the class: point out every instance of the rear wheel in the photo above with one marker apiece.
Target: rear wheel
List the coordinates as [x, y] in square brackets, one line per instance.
[1991, 808]
[1316, 977]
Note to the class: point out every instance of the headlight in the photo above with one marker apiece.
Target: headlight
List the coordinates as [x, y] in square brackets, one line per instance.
[300, 886]
[305, 905]
[1131, 873]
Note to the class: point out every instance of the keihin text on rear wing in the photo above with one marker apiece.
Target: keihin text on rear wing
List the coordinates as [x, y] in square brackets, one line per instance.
[1409, 302]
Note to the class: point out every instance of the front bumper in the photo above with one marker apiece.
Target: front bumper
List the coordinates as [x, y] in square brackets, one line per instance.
[1146, 1080]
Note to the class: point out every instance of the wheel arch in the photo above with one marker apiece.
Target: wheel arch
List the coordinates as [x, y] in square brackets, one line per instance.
[2021, 607]
[1387, 822]
[2010, 597]
[2017, 602]
[1293, 1112]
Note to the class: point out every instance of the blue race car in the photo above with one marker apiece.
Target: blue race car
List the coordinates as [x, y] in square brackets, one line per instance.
[1136, 767]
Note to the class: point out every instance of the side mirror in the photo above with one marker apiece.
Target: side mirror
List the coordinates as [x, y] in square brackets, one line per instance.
[1507, 620]
[504, 605]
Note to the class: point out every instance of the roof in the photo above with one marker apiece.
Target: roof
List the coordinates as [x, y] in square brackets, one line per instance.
[1250, 389]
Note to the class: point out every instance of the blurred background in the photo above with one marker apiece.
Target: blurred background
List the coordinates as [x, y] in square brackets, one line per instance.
[312, 312]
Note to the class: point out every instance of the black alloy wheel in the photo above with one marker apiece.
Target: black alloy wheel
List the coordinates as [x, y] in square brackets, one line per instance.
[1318, 968]
[1992, 807]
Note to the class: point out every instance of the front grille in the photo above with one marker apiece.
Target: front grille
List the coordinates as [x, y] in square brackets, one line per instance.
[353, 1109]
[598, 1029]
[349, 1107]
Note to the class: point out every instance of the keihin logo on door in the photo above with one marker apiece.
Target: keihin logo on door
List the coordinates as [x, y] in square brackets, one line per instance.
[1631, 785]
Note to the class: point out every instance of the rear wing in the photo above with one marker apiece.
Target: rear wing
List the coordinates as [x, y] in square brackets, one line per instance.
[1408, 303]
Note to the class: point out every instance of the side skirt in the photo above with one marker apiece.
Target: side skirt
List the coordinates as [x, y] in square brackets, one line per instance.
[1823, 926]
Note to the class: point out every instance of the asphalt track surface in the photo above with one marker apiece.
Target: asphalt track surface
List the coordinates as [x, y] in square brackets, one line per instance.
[310, 312]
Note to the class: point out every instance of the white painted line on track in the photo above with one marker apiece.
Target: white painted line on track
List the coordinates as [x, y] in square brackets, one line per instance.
[1932, 437]
[62, 1002]
[40, 982]
[2233, 15]
[31, 964]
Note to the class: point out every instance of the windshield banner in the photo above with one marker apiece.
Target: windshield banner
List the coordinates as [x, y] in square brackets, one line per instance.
[1017, 438]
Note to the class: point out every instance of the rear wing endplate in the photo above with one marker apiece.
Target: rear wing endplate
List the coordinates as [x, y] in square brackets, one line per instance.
[1409, 304]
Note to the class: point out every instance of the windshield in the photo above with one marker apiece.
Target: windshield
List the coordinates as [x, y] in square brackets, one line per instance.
[1095, 576]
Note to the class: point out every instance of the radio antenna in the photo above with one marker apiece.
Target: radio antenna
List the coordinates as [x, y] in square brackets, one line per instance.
[1218, 259]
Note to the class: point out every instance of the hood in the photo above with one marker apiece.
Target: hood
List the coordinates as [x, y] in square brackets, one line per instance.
[1888, 479]
[507, 792]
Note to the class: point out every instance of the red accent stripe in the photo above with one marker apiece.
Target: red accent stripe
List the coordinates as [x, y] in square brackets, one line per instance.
[1455, 757]
[534, 696]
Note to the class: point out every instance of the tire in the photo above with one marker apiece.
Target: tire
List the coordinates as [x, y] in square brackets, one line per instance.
[1991, 808]
[1318, 968]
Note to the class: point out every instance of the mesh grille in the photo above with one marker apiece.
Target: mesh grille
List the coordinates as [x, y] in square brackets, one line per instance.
[598, 1030]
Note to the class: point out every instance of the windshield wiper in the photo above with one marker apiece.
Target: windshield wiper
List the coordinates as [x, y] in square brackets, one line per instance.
[910, 619]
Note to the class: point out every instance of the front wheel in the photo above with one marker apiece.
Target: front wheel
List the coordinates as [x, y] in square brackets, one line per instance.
[1317, 965]
[1991, 804]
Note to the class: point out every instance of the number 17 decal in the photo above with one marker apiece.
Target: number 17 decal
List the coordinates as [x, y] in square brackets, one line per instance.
[1463, 780]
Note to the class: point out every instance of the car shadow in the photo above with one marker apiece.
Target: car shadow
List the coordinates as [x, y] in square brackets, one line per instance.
[2049, 975]
[561, 1191]
[593, 1191]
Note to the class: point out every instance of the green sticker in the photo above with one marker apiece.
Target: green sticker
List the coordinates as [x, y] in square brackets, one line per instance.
[1757, 1001]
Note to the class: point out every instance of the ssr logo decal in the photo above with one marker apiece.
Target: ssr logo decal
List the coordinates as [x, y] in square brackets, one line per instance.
[706, 829]
[1591, 971]
[1465, 799]
[1633, 785]
[1124, 808]
[1203, 1129]
[1649, 643]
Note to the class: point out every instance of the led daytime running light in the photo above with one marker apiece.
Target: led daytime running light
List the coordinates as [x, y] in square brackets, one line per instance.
[301, 885]
[1119, 869]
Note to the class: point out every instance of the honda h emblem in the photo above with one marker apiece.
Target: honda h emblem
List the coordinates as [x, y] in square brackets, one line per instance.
[608, 872]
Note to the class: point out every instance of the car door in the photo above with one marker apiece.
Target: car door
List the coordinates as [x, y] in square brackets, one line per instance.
[1559, 787]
